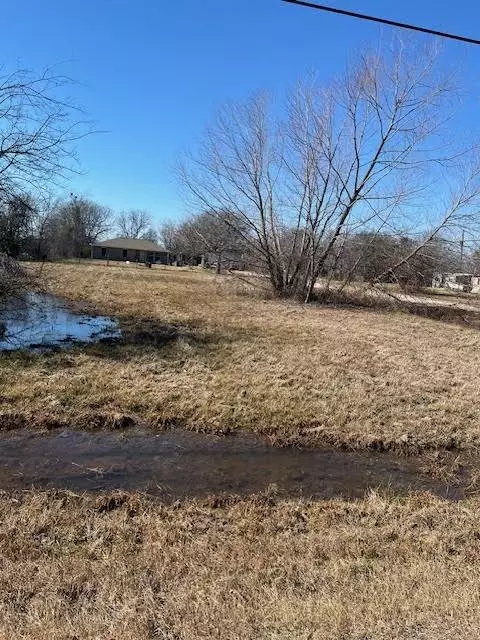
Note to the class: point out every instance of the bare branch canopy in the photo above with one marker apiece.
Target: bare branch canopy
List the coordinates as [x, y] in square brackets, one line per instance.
[365, 153]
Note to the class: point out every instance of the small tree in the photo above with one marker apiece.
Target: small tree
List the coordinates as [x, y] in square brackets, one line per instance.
[17, 219]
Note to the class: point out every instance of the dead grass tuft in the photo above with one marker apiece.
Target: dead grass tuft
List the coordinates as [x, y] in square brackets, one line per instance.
[10, 420]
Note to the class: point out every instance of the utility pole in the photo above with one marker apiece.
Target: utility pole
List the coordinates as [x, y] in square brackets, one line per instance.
[462, 249]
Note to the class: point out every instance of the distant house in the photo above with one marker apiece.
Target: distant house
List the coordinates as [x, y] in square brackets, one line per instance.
[466, 282]
[130, 249]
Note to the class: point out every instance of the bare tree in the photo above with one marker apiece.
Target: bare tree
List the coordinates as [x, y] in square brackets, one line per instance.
[169, 235]
[75, 225]
[46, 207]
[38, 130]
[216, 234]
[358, 155]
[135, 223]
[368, 257]
[150, 234]
[213, 235]
[178, 244]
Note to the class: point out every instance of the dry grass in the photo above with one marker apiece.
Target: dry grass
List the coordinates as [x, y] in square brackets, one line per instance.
[121, 567]
[199, 355]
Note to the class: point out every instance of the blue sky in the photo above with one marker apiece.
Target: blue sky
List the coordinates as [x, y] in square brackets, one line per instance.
[151, 72]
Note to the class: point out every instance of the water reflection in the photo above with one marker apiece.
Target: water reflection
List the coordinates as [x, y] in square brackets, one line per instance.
[37, 320]
[178, 463]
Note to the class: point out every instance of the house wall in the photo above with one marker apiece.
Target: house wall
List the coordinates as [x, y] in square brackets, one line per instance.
[454, 281]
[457, 282]
[132, 255]
[476, 284]
[455, 286]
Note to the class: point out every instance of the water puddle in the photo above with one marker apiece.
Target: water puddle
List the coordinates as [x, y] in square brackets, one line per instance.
[40, 321]
[178, 464]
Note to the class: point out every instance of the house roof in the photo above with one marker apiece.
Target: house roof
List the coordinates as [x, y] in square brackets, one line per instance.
[135, 244]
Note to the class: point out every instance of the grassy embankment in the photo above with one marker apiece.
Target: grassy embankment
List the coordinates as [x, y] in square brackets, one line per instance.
[196, 355]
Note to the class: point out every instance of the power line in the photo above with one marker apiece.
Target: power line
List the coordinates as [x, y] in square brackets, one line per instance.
[392, 23]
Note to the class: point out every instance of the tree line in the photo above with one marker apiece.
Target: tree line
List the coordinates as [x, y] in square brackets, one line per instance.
[46, 229]
[364, 256]
[60, 229]
[55, 229]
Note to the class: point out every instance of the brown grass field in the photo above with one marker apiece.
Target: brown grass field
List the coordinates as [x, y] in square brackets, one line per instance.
[199, 352]
[124, 568]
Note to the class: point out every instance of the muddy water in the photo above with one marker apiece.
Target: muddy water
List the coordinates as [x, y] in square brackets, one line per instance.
[176, 464]
[40, 321]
